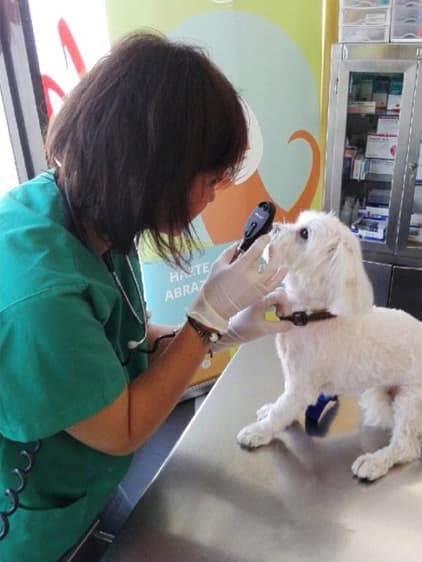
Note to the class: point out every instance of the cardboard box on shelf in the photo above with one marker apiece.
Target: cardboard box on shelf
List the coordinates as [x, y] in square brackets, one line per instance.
[381, 84]
[366, 88]
[361, 106]
[388, 125]
[350, 153]
[393, 102]
[376, 212]
[381, 146]
[380, 99]
[378, 197]
[381, 167]
[395, 86]
[360, 167]
[416, 219]
[415, 234]
[370, 228]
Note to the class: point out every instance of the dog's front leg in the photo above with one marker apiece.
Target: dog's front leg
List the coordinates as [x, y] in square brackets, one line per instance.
[404, 445]
[280, 415]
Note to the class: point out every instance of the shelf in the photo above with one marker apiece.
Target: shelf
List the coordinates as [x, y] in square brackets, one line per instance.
[411, 244]
[379, 178]
[382, 183]
[378, 112]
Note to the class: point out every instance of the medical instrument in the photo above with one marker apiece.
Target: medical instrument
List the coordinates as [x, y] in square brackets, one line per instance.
[13, 493]
[77, 229]
[141, 319]
[108, 260]
[259, 222]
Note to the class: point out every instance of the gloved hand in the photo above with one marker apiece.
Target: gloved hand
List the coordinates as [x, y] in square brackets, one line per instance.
[231, 287]
[250, 324]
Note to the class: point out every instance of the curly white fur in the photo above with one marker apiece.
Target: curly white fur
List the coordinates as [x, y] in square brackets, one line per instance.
[371, 351]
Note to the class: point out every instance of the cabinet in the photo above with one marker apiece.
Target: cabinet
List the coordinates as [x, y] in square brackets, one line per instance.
[373, 173]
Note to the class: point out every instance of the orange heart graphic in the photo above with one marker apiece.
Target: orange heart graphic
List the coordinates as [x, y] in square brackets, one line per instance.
[225, 218]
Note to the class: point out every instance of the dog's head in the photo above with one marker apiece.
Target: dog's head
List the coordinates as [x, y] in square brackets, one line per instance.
[324, 264]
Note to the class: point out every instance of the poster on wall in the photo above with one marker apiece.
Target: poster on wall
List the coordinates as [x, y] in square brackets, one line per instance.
[271, 52]
[65, 45]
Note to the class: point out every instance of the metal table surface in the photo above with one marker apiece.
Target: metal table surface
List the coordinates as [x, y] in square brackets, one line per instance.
[293, 500]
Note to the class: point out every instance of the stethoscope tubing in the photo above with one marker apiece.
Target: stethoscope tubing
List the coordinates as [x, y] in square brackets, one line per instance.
[108, 261]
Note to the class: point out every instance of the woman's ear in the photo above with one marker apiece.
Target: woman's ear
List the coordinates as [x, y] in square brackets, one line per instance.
[352, 290]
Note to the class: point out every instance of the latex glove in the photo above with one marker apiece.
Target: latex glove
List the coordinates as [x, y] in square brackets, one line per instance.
[250, 324]
[231, 287]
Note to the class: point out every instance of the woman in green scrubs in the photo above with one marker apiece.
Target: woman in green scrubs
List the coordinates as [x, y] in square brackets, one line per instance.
[138, 147]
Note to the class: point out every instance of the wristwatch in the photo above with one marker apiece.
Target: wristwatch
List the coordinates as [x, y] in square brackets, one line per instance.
[207, 334]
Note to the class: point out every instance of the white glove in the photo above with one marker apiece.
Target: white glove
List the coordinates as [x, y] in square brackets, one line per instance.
[250, 324]
[231, 287]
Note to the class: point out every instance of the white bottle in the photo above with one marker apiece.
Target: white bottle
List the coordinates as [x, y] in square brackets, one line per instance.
[355, 211]
[346, 211]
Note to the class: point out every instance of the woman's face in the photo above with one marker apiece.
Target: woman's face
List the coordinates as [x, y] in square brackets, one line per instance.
[202, 191]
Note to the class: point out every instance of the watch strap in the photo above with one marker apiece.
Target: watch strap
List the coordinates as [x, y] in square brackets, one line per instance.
[205, 333]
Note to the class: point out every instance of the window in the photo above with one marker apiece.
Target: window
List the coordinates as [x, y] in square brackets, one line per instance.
[9, 175]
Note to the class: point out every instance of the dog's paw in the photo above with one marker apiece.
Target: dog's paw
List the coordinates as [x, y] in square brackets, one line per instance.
[370, 466]
[254, 435]
[263, 411]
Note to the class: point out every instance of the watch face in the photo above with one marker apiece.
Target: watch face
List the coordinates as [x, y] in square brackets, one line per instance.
[213, 337]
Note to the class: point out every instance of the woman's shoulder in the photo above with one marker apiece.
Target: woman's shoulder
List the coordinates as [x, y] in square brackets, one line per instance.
[36, 199]
[36, 247]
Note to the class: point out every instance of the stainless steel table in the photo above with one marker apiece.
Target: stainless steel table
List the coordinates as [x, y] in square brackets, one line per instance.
[289, 501]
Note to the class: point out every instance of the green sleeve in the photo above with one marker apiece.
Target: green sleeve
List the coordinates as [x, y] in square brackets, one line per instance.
[57, 365]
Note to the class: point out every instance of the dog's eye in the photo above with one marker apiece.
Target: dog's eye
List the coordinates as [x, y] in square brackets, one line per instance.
[304, 233]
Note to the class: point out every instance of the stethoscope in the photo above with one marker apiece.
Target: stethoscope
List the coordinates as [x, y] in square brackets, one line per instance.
[108, 260]
[78, 230]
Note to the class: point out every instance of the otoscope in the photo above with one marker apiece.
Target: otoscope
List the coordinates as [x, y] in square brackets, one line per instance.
[260, 222]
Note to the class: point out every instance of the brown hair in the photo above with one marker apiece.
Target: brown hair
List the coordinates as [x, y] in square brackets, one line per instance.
[134, 133]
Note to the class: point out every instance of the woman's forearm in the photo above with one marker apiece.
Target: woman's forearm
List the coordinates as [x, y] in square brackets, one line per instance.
[123, 426]
[155, 332]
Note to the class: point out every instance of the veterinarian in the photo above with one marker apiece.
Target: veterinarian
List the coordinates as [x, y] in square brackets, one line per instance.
[139, 147]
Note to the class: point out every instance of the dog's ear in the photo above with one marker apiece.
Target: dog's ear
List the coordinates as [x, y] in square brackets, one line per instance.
[351, 289]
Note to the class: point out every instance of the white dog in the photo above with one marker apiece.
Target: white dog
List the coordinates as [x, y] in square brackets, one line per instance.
[374, 352]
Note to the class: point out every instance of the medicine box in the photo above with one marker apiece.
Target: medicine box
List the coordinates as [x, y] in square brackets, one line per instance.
[380, 99]
[370, 228]
[415, 234]
[376, 212]
[378, 197]
[388, 125]
[350, 153]
[381, 167]
[361, 106]
[360, 167]
[416, 219]
[381, 146]
[393, 102]
[396, 86]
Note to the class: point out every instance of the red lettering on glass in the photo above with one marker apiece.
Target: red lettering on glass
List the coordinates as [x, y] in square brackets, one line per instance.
[71, 49]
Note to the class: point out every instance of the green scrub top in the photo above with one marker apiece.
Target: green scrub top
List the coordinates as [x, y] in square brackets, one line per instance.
[64, 328]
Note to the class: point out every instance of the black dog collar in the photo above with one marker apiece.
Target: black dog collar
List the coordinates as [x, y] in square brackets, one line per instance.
[301, 318]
